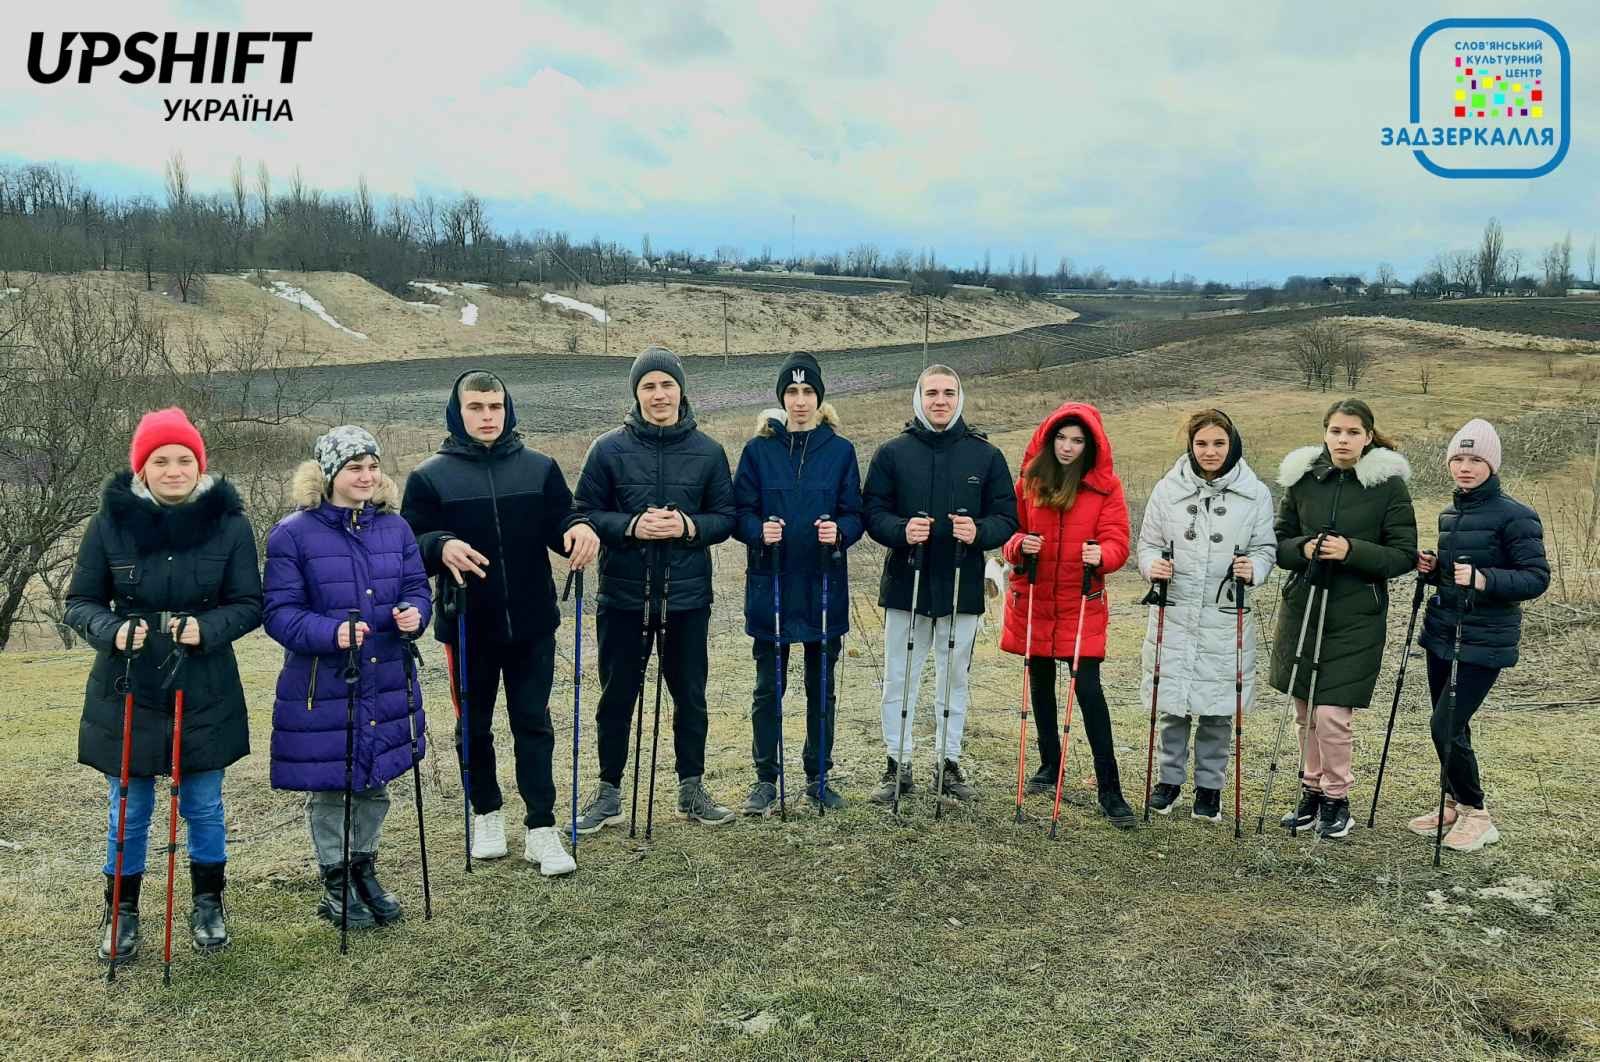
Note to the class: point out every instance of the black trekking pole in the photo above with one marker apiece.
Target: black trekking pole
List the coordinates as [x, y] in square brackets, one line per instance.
[646, 643]
[775, 552]
[179, 655]
[1468, 593]
[408, 646]
[575, 577]
[949, 670]
[453, 598]
[918, 555]
[661, 656]
[1417, 594]
[1030, 568]
[830, 556]
[125, 685]
[1288, 697]
[352, 676]
[1157, 597]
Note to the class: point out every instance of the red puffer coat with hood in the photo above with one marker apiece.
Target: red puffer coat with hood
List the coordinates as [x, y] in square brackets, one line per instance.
[1099, 512]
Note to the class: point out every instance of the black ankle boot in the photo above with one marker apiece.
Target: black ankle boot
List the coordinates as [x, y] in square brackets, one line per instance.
[127, 920]
[332, 902]
[208, 919]
[1116, 809]
[385, 905]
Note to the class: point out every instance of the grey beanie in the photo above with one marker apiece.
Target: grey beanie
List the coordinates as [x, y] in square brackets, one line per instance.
[342, 445]
[655, 359]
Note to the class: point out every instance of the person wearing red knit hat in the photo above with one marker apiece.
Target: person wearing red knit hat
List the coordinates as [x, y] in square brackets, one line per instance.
[168, 564]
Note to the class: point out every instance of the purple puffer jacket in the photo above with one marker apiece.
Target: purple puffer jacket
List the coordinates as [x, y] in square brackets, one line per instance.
[321, 562]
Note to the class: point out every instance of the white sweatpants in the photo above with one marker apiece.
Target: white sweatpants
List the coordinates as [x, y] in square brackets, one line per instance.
[957, 663]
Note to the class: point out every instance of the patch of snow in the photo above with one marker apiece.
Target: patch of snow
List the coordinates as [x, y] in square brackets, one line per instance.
[9, 291]
[424, 305]
[474, 287]
[1532, 895]
[301, 298]
[469, 314]
[1439, 904]
[566, 303]
[427, 285]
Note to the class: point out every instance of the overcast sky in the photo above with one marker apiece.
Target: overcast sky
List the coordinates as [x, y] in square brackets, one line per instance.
[1228, 141]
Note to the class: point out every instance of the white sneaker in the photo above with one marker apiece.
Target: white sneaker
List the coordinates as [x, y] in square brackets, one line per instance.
[489, 835]
[544, 848]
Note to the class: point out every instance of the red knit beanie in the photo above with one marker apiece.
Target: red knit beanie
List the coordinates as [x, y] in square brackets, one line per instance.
[158, 429]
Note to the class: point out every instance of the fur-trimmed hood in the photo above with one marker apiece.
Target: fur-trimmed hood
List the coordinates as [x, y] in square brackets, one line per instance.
[154, 526]
[305, 489]
[826, 414]
[1378, 464]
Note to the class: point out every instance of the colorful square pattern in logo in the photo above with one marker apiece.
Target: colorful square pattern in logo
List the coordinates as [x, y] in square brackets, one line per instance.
[1480, 95]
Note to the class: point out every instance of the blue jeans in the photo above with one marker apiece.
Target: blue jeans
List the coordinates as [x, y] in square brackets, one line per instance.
[200, 804]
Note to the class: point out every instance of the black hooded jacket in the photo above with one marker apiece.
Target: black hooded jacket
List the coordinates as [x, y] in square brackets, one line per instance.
[639, 465]
[506, 501]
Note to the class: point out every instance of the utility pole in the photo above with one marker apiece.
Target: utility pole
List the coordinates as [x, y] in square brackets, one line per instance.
[927, 316]
[605, 321]
[724, 329]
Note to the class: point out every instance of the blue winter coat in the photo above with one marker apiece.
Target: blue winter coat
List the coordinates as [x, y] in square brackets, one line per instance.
[323, 561]
[797, 477]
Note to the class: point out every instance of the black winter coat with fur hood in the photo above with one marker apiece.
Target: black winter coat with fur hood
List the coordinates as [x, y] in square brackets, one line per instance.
[141, 558]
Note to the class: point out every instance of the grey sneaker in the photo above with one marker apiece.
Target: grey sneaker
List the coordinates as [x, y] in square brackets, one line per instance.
[695, 803]
[603, 809]
[831, 799]
[763, 799]
[884, 794]
[955, 783]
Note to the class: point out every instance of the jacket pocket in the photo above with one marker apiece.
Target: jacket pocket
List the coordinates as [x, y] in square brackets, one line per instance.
[208, 578]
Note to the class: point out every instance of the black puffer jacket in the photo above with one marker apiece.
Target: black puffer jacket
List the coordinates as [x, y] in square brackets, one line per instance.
[1504, 540]
[631, 468]
[507, 502]
[937, 472]
[138, 557]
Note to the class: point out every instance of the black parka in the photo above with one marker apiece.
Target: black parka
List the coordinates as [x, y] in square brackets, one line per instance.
[1504, 540]
[141, 558]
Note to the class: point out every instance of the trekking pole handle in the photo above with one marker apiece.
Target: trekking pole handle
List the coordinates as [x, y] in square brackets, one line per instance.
[919, 550]
[352, 667]
[961, 547]
[1030, 566]
[1088, 571]
[574, 575]
[1470, 590]
[830, 553]
[1420, 591]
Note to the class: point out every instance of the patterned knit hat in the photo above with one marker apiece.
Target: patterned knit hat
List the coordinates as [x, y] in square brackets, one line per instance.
[341, 446]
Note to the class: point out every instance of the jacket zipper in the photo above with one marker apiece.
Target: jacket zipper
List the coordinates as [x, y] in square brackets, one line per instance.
[311, 690]
[505, 582]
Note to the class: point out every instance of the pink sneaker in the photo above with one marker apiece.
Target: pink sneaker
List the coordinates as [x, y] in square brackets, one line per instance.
[1473, 830]
[1427, 825]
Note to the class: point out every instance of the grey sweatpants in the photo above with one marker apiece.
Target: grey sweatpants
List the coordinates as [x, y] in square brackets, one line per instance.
[325, 821]
[1213, 744]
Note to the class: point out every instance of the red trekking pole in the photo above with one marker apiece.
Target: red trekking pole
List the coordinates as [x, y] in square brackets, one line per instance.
[1030, 566]
[1158, 598]
[1086, 594]
[179, 654]
[126, 682]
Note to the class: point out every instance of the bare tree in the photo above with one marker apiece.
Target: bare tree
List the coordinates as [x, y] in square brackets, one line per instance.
[1490, 258]
[177, 183]
[1321, 348]
[1462, 267]
[264, 192]
[1384, 280]
[1591, 258]
[1558, 266]
[1425, 371]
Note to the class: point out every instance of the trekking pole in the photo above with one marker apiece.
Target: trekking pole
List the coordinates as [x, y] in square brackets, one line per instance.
[408, 644]
[1239, 609]
[647, 641]
[352, 675]
[1157, 597]
[453, 597]
[949, 677]
[1288, 697]
[1311, 687]
[575, 576]
[655, 726]
[775, 552]
[1417, 594]
[1030, 568]
[918, 555]
[1468, 593]
[179, 654]
[830, 554]
[126, 685]
[1086, 594]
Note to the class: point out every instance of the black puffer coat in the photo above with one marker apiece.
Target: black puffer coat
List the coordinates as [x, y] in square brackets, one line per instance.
[138, 557]
[631, 468]
[1503, 540]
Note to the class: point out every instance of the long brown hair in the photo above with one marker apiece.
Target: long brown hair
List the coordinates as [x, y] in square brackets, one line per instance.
[1049, 482]
[1354, 407]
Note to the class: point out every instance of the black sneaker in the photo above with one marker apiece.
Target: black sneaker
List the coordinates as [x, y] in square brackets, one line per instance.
[1041, 781]
[1116, 810]
[1163, 797]
[1207, 804]
[1305, 814]
[892, 779]
[1335, 819]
